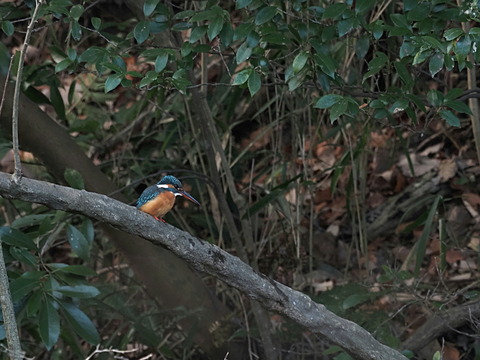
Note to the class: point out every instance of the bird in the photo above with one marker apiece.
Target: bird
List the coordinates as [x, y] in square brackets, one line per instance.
[158, 199]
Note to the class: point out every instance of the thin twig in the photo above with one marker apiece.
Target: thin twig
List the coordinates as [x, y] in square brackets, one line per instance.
[17, 173]
[11, 330]
[5, 85]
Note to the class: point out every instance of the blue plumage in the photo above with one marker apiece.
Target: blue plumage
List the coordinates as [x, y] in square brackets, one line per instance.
[148, 194]
[169, 179]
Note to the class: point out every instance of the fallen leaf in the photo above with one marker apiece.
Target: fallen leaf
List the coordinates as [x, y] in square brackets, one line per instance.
[421, 164]
[447, 169]
[474, 243]
[453, 255]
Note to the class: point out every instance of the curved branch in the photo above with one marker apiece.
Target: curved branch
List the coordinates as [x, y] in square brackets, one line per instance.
[208, 258]
[440, 323]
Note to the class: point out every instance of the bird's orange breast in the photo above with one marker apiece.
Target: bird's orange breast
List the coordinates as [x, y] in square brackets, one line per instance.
[160, 205]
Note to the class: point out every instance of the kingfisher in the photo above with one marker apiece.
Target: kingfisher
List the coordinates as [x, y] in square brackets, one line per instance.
[158, 199]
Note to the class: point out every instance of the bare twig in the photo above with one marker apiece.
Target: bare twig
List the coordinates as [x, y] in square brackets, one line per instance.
[17, 174]
[11, 330]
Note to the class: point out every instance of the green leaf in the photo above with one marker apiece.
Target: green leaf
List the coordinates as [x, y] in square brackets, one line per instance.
[421, 56]
[240, 4]
[406, 49]
[265, 14]
[345, 26]
[23, 285]
[458, 106]
[149, 6]
[197, 33]
[74, 179]
[300, 61]
[62, 65]
[161, 62]
[334, 11]
[7, 27]
[243, 53]
[362, 6]
[31, 220]
[112, 82]
[92, 55]
[377, 29]
[463, 46]
[404, 74]
[376, 64]
[328, 101]
[253, 39]
[452, 34]
[398, 105]
[453, 94]
[72, 54]
[209, 14]
[326, 64]
[242, 76]
[226, 35]
[96, 22]
[79, 291]
[88, 230]
[76, 11]
[435, 64]
[400, 21]
[432, 42]
[357, 299]
[24, 256]
[181, 26]
[296, 80]
[215, 27]
[148, 79]
[34, 302]
[76, 31]
[78, 242]
[57, 102]
[338, 109]
[15, 237]
[141, 31]
[80, 323]
[184, 14]
[422, 241]
[450, 118]
[254, 83]
[48, 323]
[73, 269]
[435, 97]
[419, 12]
[242, 31]
[362, 46]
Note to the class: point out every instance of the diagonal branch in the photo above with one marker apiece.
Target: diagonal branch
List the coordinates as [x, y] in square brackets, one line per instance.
[207, 258]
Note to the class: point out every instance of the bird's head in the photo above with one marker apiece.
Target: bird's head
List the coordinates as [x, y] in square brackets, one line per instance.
[171, 183]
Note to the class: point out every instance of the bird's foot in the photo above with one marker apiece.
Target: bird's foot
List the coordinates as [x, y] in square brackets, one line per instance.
[160, 219]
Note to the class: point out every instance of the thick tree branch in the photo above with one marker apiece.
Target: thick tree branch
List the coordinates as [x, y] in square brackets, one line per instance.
[207, 258]
[441, 323]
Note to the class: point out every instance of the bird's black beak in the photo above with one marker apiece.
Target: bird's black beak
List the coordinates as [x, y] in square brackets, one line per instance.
[189, 197]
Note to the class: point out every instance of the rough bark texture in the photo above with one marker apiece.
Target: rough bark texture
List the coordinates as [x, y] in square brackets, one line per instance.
[441, 323]
[207, 258]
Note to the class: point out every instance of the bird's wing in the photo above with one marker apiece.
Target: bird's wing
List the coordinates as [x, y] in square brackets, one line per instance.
[148, 194]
